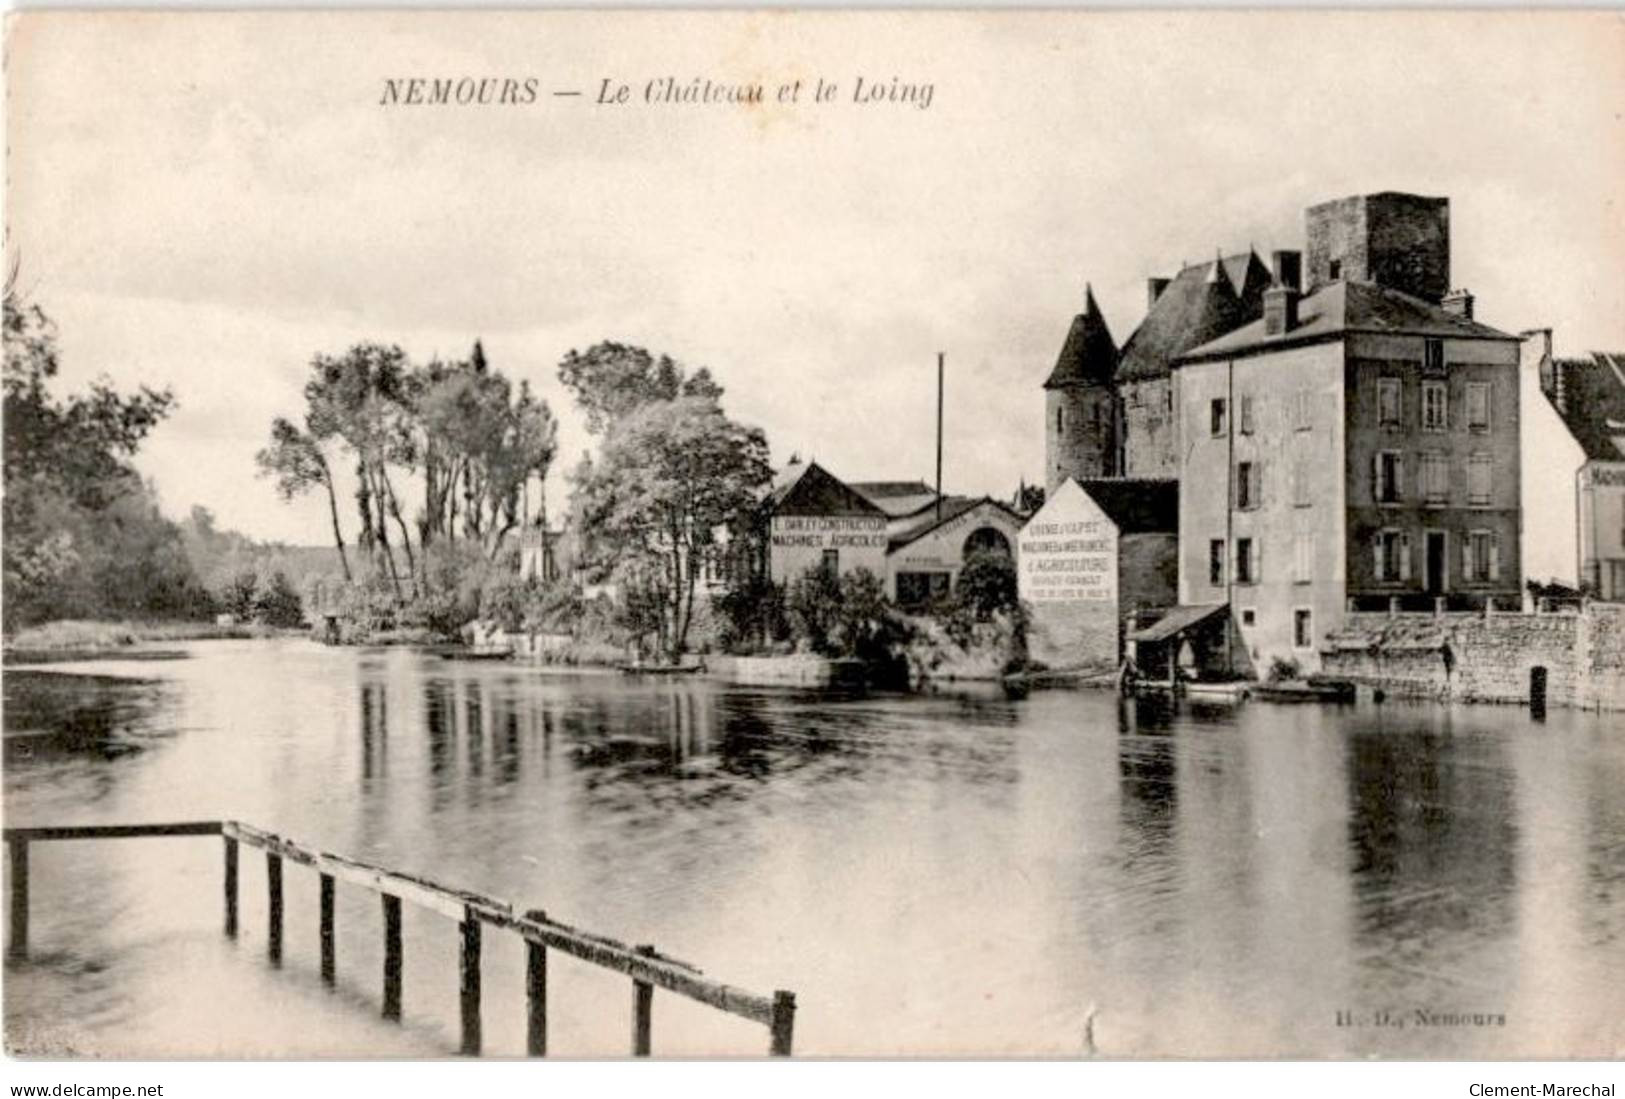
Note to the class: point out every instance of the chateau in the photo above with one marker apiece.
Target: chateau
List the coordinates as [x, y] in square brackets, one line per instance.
[1344, 432]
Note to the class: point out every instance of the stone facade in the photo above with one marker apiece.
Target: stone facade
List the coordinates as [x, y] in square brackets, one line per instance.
[1081, 437]
[1289, 526]
[1488, 657]
[1083, 576]
[1436, 527]
[1396, 240]
[1150, 428]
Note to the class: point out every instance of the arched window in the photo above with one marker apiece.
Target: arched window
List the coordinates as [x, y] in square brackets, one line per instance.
[986, 540]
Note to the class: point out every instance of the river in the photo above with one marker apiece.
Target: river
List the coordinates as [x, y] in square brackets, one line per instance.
[943, 873]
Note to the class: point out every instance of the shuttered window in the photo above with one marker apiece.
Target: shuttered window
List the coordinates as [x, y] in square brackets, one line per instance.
[1479, 477]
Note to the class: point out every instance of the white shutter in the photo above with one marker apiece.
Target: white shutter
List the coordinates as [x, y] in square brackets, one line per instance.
[1399, 477]
[1258, 560]
[1495, 558]
[1404, 557]
[1467, 557]
[1376, 556]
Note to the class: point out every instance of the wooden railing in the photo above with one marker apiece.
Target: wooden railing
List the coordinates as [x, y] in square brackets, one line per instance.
[647, 968]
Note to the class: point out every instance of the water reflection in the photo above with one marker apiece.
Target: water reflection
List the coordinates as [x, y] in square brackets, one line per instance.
[958, 872]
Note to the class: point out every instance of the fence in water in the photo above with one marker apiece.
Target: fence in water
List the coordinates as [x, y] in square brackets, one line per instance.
[646, 967]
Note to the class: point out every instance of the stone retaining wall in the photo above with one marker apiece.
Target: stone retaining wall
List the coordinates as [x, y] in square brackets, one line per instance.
[1488, 658]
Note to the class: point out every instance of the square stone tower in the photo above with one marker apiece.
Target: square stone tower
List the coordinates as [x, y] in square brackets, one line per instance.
[1392, 239]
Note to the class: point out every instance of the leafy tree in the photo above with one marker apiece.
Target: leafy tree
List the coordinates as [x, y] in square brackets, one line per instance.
[611, 381]
[83, 534]
[240, 597]
[987, 584]
[814, 606]
[277, 603]
[669, 479]
[296, 460]
[1029, 498]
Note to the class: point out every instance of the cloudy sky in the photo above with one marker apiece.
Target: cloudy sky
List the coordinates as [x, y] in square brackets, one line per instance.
[206, 201]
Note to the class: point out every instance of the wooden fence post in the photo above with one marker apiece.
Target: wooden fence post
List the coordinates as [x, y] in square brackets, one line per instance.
[536, 992]
[392, 956]
[273, 882]
[471, 984]
[17, 945]
[784, 1023]
[643, 994]
[329, 955]
[231, 888]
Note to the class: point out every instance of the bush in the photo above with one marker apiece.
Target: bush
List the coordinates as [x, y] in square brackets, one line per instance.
[239, 597]
[751, 615]
[277, 603]
[987, 585]
[813, 605]
[1283, 669]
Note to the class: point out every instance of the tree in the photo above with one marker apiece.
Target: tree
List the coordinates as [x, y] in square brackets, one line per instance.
[83, 533]
[671, 476]
[296, 460]
[240, 595]
[276, 603]
[362, 399]
[987, 584]
[611, 381]
[814, 606]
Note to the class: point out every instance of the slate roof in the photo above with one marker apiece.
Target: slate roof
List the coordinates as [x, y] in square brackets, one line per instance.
[877, 490]
[1203, 301]
[897, 498]
[952, 508]
[1137, 505]
[810, 489]
[1089, 355]
[1593, 403]
[1341, 307]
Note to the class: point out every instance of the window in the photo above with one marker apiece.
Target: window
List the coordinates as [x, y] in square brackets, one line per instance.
[1215, 562]
[1303, 633]
[1387, 472]
[832, 559]
[1249, 485]
[1060, 421]
[1433, 356]
[1215, 410]
[1435, 479]
[1303, 557]
[1336, 270]
[1478, 480]
[1478, 406]
[1303, 411]
[1391, 555]
[1300, 482]
[1246, 561]
[1249, 616]
[1481, 557]
[1434, 404]
[1247, 415]
[1389, 410]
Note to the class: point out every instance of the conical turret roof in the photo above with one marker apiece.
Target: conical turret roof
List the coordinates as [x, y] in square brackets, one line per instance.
[1089, 355]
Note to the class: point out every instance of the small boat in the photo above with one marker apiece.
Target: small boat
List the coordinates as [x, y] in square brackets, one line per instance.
[471, 652]
[661, 669]
[1306, 691]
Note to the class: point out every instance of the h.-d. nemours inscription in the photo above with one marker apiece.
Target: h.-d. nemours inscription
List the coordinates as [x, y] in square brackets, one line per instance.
[892, 534]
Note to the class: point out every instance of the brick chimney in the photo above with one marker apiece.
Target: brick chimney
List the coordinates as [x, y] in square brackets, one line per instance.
[1459, 302]
[1280, 310]
[1153, 290]
[1287, 267]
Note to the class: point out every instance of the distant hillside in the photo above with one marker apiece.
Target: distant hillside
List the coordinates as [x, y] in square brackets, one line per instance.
[219, 556]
